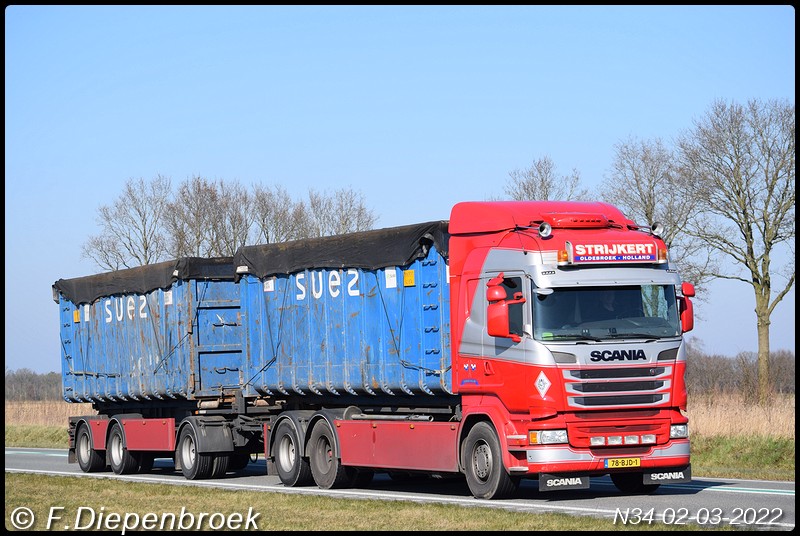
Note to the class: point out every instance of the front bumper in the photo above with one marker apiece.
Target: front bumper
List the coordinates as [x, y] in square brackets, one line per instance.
[568, 459]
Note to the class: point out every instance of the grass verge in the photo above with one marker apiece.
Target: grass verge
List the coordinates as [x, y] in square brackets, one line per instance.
[748, 457]
[133, 503]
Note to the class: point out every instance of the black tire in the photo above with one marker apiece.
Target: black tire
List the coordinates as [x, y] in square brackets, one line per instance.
[408, 476]
[483, 463]
[402, 476]
[146, 461]
[194, 466]
[238, 461]
[632, 483]
[89, 460]
[293, 469]
[219, 466]
[122, 461]
[364, 477]
[326, 468]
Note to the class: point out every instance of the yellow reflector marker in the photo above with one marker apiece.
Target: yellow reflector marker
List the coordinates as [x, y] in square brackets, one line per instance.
[408, 278]
[76, 315]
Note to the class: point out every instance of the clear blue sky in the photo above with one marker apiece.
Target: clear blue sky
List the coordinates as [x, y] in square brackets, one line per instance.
[416, 107]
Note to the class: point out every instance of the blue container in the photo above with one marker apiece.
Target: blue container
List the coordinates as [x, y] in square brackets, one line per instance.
[171, 330]
[362, 314]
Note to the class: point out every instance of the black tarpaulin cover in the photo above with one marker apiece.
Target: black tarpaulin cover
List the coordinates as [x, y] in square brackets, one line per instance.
[144, 279]
[369, 250]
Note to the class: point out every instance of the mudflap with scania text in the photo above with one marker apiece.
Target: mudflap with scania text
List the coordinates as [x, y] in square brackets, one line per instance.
[550, 482]
[669, 476]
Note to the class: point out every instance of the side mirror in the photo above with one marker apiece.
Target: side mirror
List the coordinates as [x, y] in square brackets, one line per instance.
[686, 307]
[497, 323]
[687, 289]
[495, 293]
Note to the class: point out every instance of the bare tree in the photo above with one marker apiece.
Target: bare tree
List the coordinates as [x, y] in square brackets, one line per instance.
[342, 212]
[540, 182]
[643, 184]
[24, 384]
[191, 218]
[213, 219]
[234, 218]
[278, 218]
[739, 163]
[132, 228]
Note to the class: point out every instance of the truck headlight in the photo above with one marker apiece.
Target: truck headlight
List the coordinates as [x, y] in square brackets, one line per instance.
[678, 431]
[547, 437]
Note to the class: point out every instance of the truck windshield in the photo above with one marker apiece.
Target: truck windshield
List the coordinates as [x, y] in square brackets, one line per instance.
[600, 313]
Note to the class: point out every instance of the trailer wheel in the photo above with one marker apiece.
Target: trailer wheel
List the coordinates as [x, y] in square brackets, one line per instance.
[146, 462]
[293, 469]
[194, 466]
[122, 461]
[326, 468]
[632, 483]
[89, 459]
[238, 461]
[483, 463]
[219, 466]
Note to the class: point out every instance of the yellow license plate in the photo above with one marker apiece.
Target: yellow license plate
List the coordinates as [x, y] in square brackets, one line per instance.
[622, 463]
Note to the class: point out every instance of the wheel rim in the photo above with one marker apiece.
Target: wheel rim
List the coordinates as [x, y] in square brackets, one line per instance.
[83, 448]
[482, 461]
[188, 452]
[324, 454]
[116, 449]
[286, 453]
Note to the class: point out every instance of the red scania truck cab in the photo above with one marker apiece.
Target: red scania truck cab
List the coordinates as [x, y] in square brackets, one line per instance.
[567, 325]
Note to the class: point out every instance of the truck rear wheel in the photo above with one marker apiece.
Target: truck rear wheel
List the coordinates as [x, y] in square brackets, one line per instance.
[122, 461]
[293, 469]
[326, 468]
[632, 483]
[483, 463]
[89, 459]
[194, 465]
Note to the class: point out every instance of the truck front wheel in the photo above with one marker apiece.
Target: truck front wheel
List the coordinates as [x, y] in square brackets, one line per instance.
[632, 483]
[89, 459]
[483, 464]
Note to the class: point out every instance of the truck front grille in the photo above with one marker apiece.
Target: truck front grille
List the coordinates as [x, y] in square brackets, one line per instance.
[618, 387]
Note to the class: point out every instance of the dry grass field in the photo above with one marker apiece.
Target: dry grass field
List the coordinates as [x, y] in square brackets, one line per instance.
[44, 413]
[730, 415]
[709, 415]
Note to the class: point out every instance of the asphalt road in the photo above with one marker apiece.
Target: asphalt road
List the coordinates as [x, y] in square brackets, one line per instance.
[708, 502]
